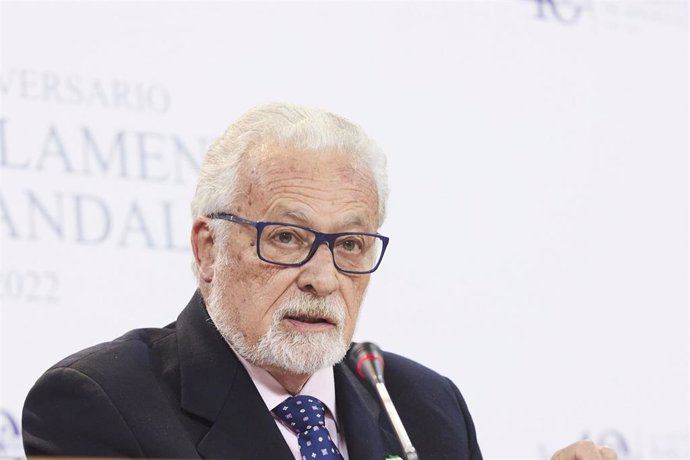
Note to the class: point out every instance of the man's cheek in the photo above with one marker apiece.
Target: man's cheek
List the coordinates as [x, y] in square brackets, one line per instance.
[256, 279]
[258, 271]
[359, 289]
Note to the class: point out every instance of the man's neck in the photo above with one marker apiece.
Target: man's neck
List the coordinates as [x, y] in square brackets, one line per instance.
[291, 382]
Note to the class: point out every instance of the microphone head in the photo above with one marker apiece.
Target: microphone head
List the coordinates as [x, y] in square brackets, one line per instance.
[366, 360]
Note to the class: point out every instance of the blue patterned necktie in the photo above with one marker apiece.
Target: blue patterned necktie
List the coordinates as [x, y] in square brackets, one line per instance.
[305, 415]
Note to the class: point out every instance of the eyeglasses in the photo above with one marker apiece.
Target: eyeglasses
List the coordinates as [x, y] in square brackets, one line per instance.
[293, 245]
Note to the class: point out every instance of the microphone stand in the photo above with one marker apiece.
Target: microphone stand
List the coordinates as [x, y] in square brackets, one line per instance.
[366, 360]
[409, 451]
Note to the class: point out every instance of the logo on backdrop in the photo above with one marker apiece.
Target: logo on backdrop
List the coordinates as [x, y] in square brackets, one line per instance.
[10, 439]
[86, 183]
[664, 445]
[616, 16]
[563, 11]
[609, 437]
[613, 439]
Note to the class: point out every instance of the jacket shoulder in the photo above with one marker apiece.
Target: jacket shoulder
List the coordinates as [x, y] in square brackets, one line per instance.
[400, 363]
[404, 373]
[139, 346]
[426, 398]
[111, 384]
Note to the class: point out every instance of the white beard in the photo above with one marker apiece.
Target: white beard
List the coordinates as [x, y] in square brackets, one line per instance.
[280, 347]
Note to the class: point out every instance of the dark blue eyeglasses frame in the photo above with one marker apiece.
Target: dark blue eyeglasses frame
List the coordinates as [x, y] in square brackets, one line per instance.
[328, 238]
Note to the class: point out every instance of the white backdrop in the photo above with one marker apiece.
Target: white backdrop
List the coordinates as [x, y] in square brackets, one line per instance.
[538, 166]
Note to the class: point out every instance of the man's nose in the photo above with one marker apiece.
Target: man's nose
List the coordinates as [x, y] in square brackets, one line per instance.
[319, 276]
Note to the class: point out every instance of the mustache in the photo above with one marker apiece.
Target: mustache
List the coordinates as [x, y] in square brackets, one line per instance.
[330, 309]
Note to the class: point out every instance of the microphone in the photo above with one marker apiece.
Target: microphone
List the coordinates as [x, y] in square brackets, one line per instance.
[366, 360]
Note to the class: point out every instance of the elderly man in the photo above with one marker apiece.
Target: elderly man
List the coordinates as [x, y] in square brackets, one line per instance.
[285, 238]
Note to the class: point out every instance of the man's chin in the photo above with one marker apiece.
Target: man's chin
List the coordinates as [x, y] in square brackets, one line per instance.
[299, 352]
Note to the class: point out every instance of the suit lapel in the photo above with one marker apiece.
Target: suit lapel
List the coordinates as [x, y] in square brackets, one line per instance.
[366, 427]
[244, 429]
[216, 387]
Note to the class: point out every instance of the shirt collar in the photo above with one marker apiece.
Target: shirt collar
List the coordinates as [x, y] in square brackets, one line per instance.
[321, 385]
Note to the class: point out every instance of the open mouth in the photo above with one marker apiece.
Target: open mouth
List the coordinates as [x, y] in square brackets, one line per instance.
[310, 319]
[308, 323]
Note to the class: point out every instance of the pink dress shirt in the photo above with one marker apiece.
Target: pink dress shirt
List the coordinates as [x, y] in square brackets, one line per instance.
[320, 385]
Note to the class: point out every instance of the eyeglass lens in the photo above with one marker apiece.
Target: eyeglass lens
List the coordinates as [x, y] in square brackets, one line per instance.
[286, 244]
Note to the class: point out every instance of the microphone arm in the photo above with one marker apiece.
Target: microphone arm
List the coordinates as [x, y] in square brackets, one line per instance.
[366, 360]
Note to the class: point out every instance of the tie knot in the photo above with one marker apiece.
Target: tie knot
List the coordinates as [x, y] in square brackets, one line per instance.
[301, 413]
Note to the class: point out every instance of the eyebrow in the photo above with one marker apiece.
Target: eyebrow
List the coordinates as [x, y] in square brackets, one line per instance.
[302, 219]
[297, 215]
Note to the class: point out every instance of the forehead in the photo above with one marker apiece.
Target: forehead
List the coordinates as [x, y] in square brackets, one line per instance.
[326, 188]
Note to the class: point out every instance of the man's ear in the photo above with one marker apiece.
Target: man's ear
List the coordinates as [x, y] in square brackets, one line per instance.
[202, 245]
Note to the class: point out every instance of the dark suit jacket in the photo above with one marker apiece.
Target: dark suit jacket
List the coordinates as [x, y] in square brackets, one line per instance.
[180, 391]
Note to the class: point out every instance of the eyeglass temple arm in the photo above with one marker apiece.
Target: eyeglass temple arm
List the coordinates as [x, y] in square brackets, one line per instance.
[230, 217]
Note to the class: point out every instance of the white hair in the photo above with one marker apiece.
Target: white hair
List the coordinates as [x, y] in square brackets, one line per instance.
[283, 125]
